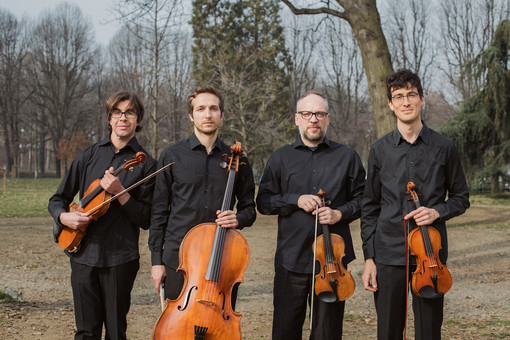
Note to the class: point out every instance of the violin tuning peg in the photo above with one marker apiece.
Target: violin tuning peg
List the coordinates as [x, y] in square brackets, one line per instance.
[224, 157]
[223, 164]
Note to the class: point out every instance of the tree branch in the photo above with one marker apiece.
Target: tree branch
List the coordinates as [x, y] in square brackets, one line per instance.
[321, 10]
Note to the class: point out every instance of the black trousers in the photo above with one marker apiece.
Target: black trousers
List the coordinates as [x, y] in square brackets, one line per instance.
[174, 282]
[102, 296]
[390, 304]
[291, 294]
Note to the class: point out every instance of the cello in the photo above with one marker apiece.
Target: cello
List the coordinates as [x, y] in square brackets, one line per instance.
[431, 279]
[333, 283]
[212, 260]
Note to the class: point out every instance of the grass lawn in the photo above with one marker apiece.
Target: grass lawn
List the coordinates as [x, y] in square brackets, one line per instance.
[27, 197]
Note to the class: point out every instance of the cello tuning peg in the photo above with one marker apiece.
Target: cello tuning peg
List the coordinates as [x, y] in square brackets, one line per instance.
[224, 157]
[223, 164]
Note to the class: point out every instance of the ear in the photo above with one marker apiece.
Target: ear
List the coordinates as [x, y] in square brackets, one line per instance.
[222, 115]
[296, 119]
[390, 104]
[190, 117]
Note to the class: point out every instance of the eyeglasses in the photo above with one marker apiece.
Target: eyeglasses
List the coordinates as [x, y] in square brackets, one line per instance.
[399, 98]
[320, 115]
[130, 114]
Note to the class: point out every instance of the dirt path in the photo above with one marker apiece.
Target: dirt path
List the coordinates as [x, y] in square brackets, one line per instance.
[477, 307]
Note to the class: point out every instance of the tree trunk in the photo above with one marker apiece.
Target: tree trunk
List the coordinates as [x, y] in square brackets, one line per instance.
[364, 19]
[365, 22]
[495, 184]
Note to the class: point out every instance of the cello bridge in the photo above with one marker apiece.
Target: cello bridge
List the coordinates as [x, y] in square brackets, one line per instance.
[207, 302]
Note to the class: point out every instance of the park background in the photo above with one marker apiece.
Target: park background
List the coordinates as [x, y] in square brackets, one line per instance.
[57, 70]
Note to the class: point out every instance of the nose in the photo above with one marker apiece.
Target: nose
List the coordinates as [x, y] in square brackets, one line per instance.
[314, 117]
[404, 100]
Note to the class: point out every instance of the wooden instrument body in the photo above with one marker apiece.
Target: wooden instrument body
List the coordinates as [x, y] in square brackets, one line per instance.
[334, 282]
[95, 202]
[428, 266]
[70, 238]
[202, 302]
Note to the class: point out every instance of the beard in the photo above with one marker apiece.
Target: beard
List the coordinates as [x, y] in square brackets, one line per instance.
[313, 137]
[207, 131]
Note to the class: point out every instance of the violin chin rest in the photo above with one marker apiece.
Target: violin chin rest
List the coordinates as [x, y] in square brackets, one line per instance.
[328, 297]
[428, 292]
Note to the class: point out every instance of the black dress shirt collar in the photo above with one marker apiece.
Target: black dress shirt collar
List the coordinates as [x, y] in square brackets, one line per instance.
[299, 143]
[194, 142]
[133, 143]
[424, 135]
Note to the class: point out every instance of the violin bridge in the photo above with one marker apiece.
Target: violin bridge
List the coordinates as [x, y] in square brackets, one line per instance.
[207, 302]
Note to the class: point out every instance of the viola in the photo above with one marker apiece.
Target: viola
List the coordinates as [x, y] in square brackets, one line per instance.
[212, 259]
[95, 203]
[333, 283]
[431, 279]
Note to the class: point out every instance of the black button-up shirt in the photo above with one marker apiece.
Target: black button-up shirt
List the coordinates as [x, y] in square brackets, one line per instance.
[191, 192]
[112, 239]
[296, 170]
[433, 164]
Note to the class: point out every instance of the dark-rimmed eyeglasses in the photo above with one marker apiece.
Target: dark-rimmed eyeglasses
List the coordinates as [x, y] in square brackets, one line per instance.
[320, 115]
[399, 98]
[130, 114]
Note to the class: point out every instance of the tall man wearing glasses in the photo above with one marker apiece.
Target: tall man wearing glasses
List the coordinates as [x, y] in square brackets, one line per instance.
[288, 188]
[104, 268]
[411, 152]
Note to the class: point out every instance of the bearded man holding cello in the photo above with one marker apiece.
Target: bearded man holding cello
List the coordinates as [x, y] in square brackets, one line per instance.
[411, 156]
[105, 264]
[289, 188]
[191, 192]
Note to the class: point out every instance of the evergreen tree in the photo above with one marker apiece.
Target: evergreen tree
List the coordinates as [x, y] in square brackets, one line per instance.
[239, 47]
[481, 129]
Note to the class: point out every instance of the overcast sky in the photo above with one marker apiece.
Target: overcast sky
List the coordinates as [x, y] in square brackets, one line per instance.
[95, 10]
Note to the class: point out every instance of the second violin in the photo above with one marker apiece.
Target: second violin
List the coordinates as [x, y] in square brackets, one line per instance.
[334, 282]
[432, 279]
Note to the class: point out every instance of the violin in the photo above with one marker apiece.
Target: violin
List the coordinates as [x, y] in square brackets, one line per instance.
[95, 203]
[212, 259]
[333, 283]
[431, 278]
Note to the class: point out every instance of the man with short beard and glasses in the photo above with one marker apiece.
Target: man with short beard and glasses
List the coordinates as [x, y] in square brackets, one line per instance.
[288, 188]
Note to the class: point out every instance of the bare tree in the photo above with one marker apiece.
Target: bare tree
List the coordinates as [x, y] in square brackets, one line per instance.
[62, 55]
[151, 21]
[14, 94]
[364, 19]
[467, 28]
[409, 27]
[302, 41]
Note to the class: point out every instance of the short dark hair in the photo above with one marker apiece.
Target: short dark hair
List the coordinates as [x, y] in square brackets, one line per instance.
[401, 79]
[134, 103]
[205, 89]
